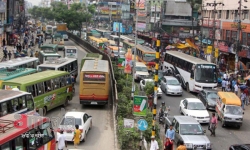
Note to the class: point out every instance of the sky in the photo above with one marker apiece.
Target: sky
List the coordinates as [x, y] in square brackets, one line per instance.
[34, 2]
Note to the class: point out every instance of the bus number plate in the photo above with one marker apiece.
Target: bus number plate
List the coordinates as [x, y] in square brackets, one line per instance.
[94, 103]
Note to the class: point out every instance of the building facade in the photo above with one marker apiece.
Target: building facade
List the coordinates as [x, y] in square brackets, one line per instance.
[226, 21]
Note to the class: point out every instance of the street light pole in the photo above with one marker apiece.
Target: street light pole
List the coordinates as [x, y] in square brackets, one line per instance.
[135, 51]
[238, 38]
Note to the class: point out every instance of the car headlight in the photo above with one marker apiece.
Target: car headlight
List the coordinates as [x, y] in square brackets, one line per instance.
[192, 116]
[208, 145]
[207, 117]
[210, 104]
[226, 118]
[189, 145]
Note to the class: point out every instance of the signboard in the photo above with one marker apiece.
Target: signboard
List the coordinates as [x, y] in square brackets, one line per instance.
[140, 4]
[142, 125]
[117, 26]
[128, 62]
[94, 77]
[210, 23]
[128, 123]
[140, 107]
[132, 7]
[121, 63]
[209, 49]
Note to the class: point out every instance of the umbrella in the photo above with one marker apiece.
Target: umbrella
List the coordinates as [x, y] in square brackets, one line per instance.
[243, 87]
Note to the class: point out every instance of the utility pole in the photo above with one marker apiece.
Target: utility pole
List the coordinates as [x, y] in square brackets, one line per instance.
[214, 4]
[157, 59]
[154, 18]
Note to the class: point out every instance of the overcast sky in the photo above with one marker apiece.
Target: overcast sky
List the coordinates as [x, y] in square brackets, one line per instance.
[34, 2]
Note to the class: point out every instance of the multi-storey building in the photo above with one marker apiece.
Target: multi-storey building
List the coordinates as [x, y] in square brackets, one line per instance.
[226, 21]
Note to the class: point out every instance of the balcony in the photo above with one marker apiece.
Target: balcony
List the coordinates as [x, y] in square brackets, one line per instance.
[154, 19]
[178, 22]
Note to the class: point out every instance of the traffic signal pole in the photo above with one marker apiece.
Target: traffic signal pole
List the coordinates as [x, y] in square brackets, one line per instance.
[157, 58]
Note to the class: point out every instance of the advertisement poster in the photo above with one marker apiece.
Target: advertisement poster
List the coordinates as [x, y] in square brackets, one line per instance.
[140, 4]
[121, 63]
[209, 49]
[128, 62]
[117, 26]
[140, 105]
[129, 123]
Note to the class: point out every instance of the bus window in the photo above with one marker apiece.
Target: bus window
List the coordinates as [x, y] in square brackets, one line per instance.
[47, 85]
[22, 103]
[31, 89]
[14, 104]
[47, 133]
[75, 64]
[6, 146]
[32, 140]
[69, 81]
[19, 143]
[3, 109]
[57, 83]
[40, 88]
[62, 81]
[61, 68]
[70, 67]
[29, 102]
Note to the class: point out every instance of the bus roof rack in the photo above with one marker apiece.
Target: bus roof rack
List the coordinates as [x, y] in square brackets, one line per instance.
[56, 61]
[6, 125]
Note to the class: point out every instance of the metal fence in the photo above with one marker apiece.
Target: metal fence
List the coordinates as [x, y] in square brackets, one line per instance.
[114, 97]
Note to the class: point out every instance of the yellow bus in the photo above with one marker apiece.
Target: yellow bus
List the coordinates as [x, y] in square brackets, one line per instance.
[104, 40]
[94, 82]
[90, 39]
[146, 55]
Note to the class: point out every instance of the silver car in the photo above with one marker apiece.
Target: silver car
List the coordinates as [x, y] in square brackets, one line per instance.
[188, 130]
[170, 85]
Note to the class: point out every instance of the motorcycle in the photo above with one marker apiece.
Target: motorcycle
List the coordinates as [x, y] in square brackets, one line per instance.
[163, 115]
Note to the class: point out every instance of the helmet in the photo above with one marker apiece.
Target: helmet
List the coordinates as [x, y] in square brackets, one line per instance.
[163, 103]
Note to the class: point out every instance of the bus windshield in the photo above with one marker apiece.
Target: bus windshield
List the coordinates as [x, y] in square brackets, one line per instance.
[149, 57]
[206, 73]
[143, 69]
[71, 50]
[45, 68]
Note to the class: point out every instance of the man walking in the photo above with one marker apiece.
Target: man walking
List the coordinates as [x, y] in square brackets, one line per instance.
[223, 85]
[170, 133]
[154, 144]
[61, 140]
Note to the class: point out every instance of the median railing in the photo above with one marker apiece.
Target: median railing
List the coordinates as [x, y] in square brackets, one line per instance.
[114, 97]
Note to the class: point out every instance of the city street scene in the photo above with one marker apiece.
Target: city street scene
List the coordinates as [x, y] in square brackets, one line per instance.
[124, 75]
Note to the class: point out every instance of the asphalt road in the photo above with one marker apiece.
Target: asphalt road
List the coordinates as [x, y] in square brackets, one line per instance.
[224, 136]
[101, 135]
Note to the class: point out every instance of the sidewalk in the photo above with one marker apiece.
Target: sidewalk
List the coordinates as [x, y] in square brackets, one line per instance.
[9, 48]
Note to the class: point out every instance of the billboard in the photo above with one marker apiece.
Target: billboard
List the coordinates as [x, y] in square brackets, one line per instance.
[117, 26]
[140, 4]
[140, 106]
[107, 11]
[2, 7]
[132, 7]
[141, 26]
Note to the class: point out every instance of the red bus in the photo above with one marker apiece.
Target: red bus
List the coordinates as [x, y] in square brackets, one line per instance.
[29, 133]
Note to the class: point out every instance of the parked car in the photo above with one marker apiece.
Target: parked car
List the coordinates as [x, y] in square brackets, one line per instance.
[240, 147]
[195, 108]
[208, 97]
[71, 119]
[145, 81]
[170, 85]
[188, 130]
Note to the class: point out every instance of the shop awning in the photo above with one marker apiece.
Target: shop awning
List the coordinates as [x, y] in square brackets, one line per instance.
[192, 44]
[182, 46]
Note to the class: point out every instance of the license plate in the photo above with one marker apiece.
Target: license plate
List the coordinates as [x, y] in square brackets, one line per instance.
[94, 103]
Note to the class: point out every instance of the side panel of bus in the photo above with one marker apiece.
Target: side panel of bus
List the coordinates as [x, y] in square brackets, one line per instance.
[94, 92]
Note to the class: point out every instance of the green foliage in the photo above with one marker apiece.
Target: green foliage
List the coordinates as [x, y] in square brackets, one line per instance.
[125, 106]
[149, 88]
[74, 16]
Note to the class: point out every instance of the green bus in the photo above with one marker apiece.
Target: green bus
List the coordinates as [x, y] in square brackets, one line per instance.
[49, 48]
[49, 88]
[11, 73]
[47, 56]
[91, 56]
[58, 39]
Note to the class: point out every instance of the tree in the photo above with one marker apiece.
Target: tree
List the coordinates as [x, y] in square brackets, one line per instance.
[195, 5]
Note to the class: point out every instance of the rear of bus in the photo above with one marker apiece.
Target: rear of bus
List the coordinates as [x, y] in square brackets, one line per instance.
[71, 52]
[94, 83]
[146, 55]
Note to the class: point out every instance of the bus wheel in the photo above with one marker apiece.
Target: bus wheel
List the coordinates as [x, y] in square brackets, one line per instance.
[187, 87]
[66, 102]
[44, 111]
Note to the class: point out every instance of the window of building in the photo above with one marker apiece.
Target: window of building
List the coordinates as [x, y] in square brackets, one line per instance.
[248, 39]
[219, 14]
[244, 38]
[234, 36]
[228, 35]
[227, 14]
[245, 14]
[236, 15]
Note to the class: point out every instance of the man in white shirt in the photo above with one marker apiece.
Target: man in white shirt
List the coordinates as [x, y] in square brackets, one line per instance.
[61, 141]
[154, 144]
[223, 84]
[236, 89]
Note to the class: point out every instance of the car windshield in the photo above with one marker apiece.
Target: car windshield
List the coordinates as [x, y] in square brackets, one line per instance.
[71, 121]
[212, 95]
[233, 110]
[173, 82]
[195, 106]
[205, 73]
[148, 57]
[191, 129]
[143, 69]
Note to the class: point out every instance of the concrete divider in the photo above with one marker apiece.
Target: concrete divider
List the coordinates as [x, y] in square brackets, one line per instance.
[114, 96]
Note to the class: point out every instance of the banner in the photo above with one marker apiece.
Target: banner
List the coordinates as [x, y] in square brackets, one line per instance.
[140, 4]
[209, 49]
[107, 11]
[132, 7]
[121, 63]
[128, 62]
[216, 53]
[140, 105]
[117, 26]
[129, 124]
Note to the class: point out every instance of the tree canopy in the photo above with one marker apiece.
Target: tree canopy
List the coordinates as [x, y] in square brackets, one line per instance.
[74, 16]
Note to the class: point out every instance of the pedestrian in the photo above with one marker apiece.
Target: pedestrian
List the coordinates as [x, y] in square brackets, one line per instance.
[181, 146]
[246, 91]
[223, 84]
[242, 98]
[233, 84]
[4, 42]
[213, 124]
[168, 144]
[170, 133]
[9, 54]
[61, 140]
[77, 136]
[154, 144]
[236, 87]
[14, 51]
[36, 54]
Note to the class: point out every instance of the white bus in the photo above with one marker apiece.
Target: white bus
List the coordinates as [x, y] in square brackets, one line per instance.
[22, 62]
[47, 56]
[104, 33]
[193, 73]
[16, 102]
[70, 51]
[62, 64]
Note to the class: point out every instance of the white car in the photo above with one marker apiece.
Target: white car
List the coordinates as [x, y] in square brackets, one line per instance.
[71, 119]
[170, 85]
[195, 108]
[145, 81]
[141, 71]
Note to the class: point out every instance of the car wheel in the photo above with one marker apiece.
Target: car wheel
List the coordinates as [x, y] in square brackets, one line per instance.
[206, 105]
[90, 125]
[44, 111]
[85, 137]
[66, 102]
[166, 92]
[180, 111]
[223, 124]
